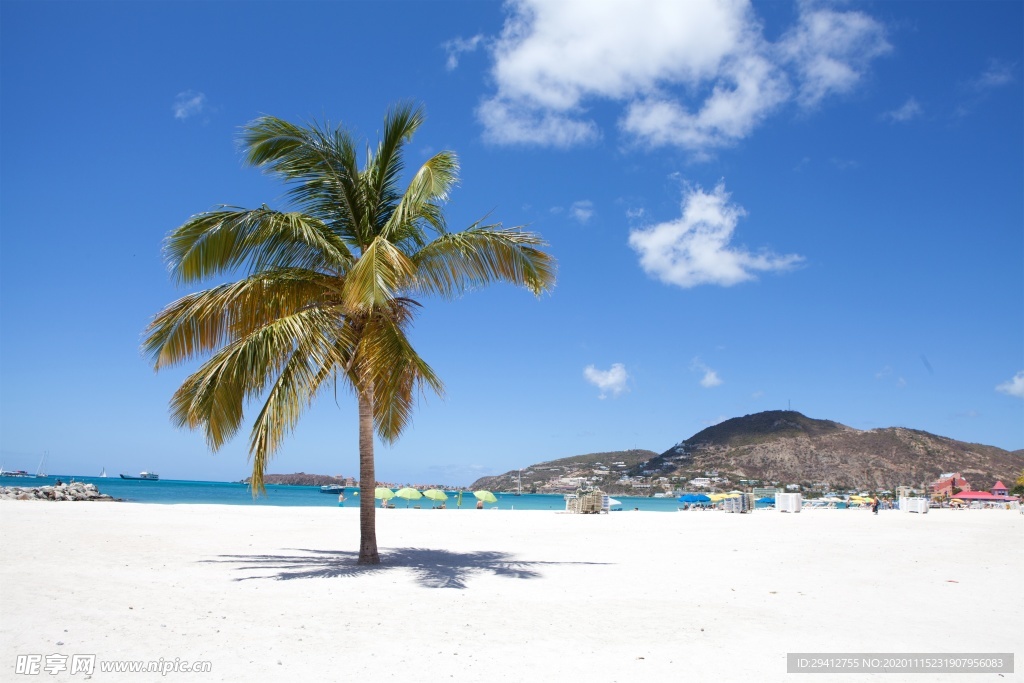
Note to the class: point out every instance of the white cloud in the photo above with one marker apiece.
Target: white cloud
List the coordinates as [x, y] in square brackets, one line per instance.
[710, 378]
[697, 74]
[696, 249]
[996, 75]
[188, 103]
[611, 381]
[1013, 387]
[506, 122]
[908, 111]
[582, 210]
[831, 51]
[457, 46]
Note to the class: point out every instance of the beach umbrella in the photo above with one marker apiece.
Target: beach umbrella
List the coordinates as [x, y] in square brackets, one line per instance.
[381, 493]
[766, 499]
[435, 494]
[485, 496]
[408, 494]
[718, 497]
[694, 498]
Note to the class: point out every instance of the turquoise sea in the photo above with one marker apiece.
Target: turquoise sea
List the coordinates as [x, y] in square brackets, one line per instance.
[170, 492]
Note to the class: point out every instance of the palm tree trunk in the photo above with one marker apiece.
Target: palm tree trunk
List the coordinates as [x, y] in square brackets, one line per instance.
[367, 482]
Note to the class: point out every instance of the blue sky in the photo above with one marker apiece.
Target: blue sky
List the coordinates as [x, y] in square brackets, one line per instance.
[753, 206]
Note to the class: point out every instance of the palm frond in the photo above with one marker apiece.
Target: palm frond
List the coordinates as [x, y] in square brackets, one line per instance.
[384, 168]
[213, 397]
[375, 279]
[294, 390]
[320, 165]
[395, 371]
[421, 201]
[455, 262]
[204, 321]
[220, 241]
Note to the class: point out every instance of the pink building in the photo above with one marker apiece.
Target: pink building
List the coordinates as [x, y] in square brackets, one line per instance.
[944, 484]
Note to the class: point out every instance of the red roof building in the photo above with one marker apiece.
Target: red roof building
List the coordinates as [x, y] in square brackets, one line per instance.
[1000, 489]
[984, 496]
[945, 484]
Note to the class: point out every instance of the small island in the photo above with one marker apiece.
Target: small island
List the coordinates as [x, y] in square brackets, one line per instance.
[303, 479]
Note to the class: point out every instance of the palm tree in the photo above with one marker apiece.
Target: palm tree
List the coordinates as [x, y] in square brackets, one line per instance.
[328, 291]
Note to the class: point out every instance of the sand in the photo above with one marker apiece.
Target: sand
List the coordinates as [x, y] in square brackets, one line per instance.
[274, 594]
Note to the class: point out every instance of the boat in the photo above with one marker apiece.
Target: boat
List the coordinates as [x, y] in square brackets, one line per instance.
[13, 473]
[332, 488]
[143, 476]
[103, 473]
[41, 470]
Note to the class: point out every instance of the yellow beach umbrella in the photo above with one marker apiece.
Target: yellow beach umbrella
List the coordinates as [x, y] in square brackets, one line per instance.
[381, 493]
[435, 494]
[408, 494]
[485, 496]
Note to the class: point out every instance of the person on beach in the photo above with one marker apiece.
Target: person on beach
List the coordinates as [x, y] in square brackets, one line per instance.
[341, 500]
[874, 505]
[479, 505]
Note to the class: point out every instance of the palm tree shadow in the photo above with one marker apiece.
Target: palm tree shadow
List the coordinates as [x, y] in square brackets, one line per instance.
[431, 568]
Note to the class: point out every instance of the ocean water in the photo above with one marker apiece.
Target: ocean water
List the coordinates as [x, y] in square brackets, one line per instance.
[170, 492]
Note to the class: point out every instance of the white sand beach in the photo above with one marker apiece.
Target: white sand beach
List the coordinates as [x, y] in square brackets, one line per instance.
[274, 594]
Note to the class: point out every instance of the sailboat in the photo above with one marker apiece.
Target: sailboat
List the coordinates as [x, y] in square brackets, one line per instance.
[41, 470]
[519, 491]
[103, 473]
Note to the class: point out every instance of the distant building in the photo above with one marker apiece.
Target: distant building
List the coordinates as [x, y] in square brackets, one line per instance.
[700, 482]
[1000, 489]
[763, 491]
[944, 485]
[792, 487]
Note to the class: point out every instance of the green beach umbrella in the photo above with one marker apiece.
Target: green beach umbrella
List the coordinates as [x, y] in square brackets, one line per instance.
[408, 494]
[485, 496]
[435, 494]
[381, 493]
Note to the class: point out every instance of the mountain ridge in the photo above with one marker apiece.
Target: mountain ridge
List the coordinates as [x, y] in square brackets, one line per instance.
[786, 447]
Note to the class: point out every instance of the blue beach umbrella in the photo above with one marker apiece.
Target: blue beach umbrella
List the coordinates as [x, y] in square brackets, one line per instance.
[766, 499]
[694, 498]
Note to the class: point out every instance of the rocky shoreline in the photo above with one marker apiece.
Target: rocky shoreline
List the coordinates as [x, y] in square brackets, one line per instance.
[76, 491]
